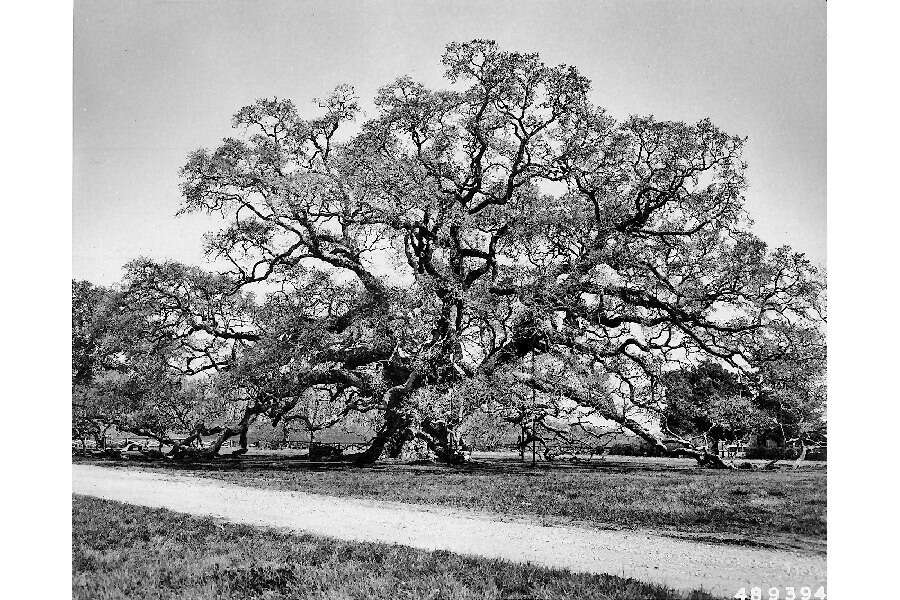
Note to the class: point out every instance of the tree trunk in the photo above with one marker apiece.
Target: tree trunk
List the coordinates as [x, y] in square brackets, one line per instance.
[802, 456]
[394, 431]
[442, 441]
[388, 440]
[522, 443]
[703, 457]
[242, 440]
[770, 466]
[185, 450]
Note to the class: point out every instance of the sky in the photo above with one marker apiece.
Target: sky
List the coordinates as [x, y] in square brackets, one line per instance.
[154, 80]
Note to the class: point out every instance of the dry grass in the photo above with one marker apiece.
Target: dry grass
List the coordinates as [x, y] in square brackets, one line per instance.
[122, 551]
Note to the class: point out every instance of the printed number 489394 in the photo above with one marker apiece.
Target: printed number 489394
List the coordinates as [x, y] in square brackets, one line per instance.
[774, 593]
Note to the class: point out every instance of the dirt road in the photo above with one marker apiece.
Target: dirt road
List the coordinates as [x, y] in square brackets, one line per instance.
[681, 564]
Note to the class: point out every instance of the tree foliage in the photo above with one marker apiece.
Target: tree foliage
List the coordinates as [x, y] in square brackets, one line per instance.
[709, 402]
[458, 233]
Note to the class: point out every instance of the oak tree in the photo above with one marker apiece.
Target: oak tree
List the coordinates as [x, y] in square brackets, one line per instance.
[459, 232]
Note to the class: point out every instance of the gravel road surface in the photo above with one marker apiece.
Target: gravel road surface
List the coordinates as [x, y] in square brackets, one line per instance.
[719, 569]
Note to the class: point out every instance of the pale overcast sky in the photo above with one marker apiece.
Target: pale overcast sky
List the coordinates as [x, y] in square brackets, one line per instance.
[157, 79]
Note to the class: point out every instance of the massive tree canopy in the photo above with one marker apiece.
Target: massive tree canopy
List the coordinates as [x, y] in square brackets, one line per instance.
[466, 244]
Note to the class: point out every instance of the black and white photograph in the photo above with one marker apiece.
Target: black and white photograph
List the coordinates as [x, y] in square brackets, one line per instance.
[448, 300]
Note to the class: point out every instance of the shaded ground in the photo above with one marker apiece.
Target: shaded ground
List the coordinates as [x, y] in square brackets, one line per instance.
[781, 509]
[125, 551]
[679, 564]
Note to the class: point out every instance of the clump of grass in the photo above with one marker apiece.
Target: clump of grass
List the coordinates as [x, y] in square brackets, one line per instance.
[125, 551]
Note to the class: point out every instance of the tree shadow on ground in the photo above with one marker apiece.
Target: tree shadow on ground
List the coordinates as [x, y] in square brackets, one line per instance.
[479, 466]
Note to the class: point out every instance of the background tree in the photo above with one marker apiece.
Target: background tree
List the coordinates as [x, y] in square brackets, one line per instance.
[138, 365]
[93, 314]
[95, 353]
[711, 403]
[793, 393]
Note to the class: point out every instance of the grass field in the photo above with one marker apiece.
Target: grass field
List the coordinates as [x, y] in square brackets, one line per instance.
[784, 509]
[122, 551]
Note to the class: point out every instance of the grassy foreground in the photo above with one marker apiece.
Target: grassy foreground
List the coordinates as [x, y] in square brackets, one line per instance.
[784, 509]
[122, 551]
